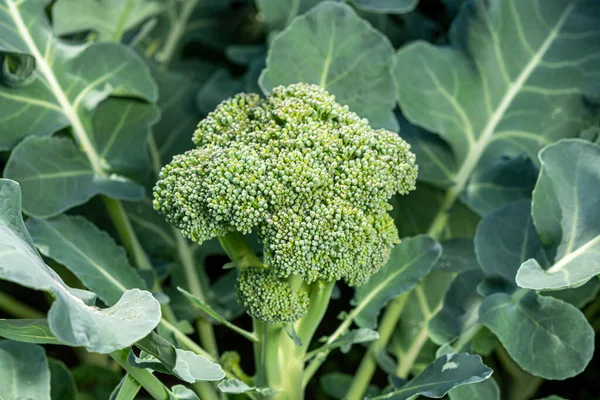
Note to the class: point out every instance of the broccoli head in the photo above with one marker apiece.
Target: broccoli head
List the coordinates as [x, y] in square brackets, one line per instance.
[310, 177]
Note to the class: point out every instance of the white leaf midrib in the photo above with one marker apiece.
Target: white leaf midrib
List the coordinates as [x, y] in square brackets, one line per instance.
[56, 89]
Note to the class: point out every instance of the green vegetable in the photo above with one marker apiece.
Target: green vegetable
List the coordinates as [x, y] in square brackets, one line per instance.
[308, 175]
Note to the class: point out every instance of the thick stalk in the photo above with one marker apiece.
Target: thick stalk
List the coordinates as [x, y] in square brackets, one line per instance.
[153, 386]
[18, 309]
[287, 356]
[368, 364]
[238, 250]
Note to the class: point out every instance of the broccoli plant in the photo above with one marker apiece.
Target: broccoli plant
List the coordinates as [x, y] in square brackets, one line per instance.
[299, 199]
[313, 180]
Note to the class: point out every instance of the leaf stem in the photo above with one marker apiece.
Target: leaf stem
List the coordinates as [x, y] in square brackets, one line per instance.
[176, 32]
[122, 21]
[152, 384]
[366, 369]
[17, 308]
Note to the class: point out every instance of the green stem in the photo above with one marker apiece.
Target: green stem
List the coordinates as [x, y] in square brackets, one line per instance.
[523, 385]
[18, 309]
[367, 367]
[133, 246]
[152, 384]
[176, 32]
[238, 250]
[120, 30]
[205, 329]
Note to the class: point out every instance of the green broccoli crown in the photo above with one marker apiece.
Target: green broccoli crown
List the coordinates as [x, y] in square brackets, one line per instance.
[309, 176]
[268, 297]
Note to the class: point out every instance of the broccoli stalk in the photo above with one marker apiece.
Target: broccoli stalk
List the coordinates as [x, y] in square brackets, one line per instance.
[313, 180]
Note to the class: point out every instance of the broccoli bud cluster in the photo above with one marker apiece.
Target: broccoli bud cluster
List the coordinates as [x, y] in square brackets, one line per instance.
[312, 178]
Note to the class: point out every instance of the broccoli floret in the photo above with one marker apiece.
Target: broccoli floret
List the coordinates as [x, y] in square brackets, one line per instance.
[268, 297]
[310, 177]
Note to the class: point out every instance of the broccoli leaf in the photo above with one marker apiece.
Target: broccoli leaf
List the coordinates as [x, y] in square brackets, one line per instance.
[487, 390]
[62, 384]
[333, 47]
[73, 318]
[504, 240]
[28, 331]
[410, 261]
[91, 254]
[565, 213]
[447, 372]
[67, 85]
[544, 323]
[24, 371]
[386, 6]
[512, 81]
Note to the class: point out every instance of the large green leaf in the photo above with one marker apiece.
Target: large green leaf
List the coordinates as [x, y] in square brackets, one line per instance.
[68, 83]
[332, 47]
[447, 372]
[566, 204]
[545, 336]
[109, 19]
[410, 261]
[73, 318]
[512, 81]
[24, 371]
[506, 238]
[91, 254]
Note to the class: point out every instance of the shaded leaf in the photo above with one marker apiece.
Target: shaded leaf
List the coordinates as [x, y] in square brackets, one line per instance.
[347, 57]
[386, 6]
[62, 384]
[505, 239]
[459, 311]
[362, 335]
[55, 176]
[278, 14]
[565, 214]
[24, 371]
